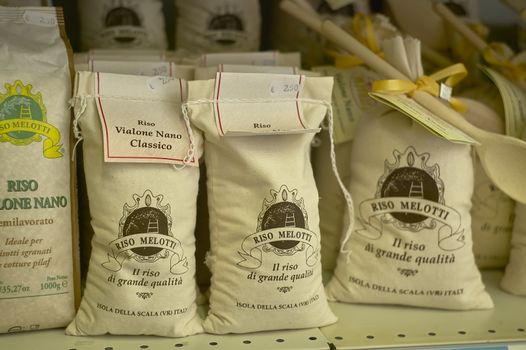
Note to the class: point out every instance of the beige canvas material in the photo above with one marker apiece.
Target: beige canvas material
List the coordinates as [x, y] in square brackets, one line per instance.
[332, 204]
[218, 25]
[36, 224]
[116, 64]
[492, 212]
[149, 289]
[134, 24]
[259, 186]
[257, 58]
[148, 68]
[412, 239]
[350, 102]
[514, 280]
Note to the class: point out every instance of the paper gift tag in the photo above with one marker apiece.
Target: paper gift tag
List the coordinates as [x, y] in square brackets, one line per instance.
[424, 117]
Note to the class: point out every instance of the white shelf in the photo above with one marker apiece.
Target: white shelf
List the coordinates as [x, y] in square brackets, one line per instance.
[307, 339]
[380, 326]
[360, 326]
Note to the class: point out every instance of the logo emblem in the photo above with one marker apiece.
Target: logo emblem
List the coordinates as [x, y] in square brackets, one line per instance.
[226, 27]
[145, 235]
[282, 229]
[23, 120]
[410, 196]
[123, 24]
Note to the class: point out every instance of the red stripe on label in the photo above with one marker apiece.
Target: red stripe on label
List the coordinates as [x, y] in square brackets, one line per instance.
[217, 106]
[298, 107]
[103, 117]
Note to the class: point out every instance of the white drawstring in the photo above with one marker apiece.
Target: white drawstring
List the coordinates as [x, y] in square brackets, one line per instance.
[348, 199]
[75, 124]
[191, 148]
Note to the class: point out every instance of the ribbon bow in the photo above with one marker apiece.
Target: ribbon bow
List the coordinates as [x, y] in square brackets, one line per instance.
[500, 56]
[452, 75]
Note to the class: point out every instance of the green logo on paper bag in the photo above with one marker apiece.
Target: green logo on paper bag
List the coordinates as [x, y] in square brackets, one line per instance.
[23, 120]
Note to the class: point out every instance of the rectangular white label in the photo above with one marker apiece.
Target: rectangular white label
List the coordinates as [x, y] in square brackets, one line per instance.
[259, 104]
[143, 130]
[40, 19]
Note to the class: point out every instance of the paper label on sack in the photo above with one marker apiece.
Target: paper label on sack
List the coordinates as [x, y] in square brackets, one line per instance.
[424, 117]
[266, 58]
[40, 18]
[143, 130]
[242, 68]
[513, 99]
[350, 98]
[248, 104]
[147, 68]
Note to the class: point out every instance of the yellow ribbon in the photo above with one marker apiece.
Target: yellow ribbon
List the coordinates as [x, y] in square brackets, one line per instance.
[362, 29]
[499, 55]
[451, 76]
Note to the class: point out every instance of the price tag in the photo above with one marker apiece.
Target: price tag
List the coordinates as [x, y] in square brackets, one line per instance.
[156, 82]
[280, 88]
[40, 19]
[445, 92]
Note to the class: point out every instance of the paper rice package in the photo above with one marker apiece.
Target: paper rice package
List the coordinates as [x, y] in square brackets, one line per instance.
[38, 238]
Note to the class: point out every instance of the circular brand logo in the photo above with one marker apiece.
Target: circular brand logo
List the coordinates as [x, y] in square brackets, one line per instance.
[412, 183]
[282, 215]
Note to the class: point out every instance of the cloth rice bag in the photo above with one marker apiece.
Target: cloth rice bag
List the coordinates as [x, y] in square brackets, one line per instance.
[492, 212]
[350, 102]
[262, 199]
[514, 280]
[122, 24]
[38, 232]
[411, 242]
[141, 277]
[218, 25]
[412, 239]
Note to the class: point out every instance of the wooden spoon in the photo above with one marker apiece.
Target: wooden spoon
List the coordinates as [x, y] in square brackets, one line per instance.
[503, 157]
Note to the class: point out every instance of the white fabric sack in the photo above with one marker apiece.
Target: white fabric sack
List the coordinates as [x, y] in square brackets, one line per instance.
[122, 25]
[332, 205]
[514, 280]
[259, 58]
[492, 212]
[263, 203]
[350, 101]
[37, 226]
[122, 55]
[412, 239]
[141, 277]
[218, 25]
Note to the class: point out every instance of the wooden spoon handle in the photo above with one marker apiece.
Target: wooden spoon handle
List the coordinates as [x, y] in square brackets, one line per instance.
[518, 6]
[460, 26]
[334, 33]
[340, 37]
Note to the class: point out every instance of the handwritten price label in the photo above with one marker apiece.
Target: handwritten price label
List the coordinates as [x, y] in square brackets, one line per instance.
[40, 19]
[158, 81]
[280, 88]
